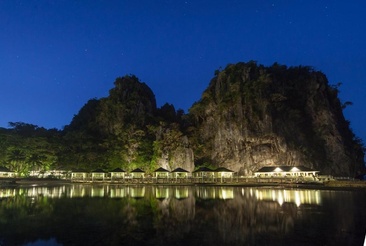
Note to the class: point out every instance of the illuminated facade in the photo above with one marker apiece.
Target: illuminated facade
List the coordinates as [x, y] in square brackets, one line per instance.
[223, 172]
[79, 174]
[203, 172]
[137, 173]
[286, 172]
[161, 173]
[117, 173]
[6, 173]
[98, 174]
[179, 173]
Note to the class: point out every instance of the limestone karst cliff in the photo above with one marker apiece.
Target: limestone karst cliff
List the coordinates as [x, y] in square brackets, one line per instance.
[249, 116]
[252, 116]
[127, 130]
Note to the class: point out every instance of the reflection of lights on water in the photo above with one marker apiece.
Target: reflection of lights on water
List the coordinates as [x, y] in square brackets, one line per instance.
[136, 192]
[117, 193]
[226, 193]
[295, 196]
[280, 199]
[181, 193]
[215, 193]
[161, 192]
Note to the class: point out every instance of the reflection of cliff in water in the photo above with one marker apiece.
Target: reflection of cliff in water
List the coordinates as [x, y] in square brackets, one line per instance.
[174, 216]
[244, 220]
[180, 215]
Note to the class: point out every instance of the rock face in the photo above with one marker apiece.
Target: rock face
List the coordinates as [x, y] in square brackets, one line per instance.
[127, 130]
[252, 116]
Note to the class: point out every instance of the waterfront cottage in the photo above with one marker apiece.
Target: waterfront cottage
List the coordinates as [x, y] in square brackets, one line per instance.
[301, 172]
[117, 173]
[137, 173]
[161, 173]
[6, 172]
[79, 174]
[223, 173]
[203, 172]
[98, 174]
[179, 173]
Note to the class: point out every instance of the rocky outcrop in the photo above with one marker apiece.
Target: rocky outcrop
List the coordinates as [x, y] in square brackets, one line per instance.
[127, 130]
[252, 116]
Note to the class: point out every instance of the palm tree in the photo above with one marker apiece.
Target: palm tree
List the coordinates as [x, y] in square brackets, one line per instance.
[35, 162]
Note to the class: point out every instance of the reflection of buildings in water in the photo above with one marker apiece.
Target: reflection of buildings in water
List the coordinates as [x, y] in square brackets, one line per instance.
[181, 192]
[162, 192]
[136, 191]
[297, 197]
[76, 191]
[53, 192]
[4, 193]
[215, 192]
[288, 196]
[118, 192]
[247, 220]
[98, 191]
[174, 217]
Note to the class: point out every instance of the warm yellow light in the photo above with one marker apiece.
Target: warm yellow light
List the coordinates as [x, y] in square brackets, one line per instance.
[294, 169]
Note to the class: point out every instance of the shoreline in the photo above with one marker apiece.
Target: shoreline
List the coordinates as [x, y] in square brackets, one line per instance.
[328, 185]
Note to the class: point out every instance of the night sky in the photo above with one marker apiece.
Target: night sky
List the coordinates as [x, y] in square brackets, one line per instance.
[56, 55]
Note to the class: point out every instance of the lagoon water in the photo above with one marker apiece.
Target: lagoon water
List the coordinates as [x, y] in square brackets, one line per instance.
[79, 214]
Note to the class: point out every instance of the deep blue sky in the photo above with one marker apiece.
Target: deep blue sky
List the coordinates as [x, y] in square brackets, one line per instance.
[56, 55]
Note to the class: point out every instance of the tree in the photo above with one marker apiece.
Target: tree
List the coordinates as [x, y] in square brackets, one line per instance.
[35, 162]
[17, 162]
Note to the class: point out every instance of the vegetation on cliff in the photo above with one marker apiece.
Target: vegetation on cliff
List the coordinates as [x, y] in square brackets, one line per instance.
[252, 116]
[248, 117]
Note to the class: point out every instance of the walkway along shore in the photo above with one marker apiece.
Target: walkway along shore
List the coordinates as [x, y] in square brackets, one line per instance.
[248, 182]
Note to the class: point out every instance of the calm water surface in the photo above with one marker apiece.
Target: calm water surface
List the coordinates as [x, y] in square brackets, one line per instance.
[180, 215]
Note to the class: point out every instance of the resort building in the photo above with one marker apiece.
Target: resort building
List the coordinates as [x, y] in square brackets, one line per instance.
[117, 173]
[161, 173]
[223, 172]
[137, 173]
[79, 174]
[286, 172]
[203, 172]
[98, 174]
[6, 172]
[179, 173]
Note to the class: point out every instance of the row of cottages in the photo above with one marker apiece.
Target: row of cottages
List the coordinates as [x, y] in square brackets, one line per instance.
[202, 172]
[160, 173]
[118, 173]
[221, 173]
[286, 172]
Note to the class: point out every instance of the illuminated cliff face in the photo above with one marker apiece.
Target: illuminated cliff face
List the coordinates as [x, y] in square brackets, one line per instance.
[252, 116]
